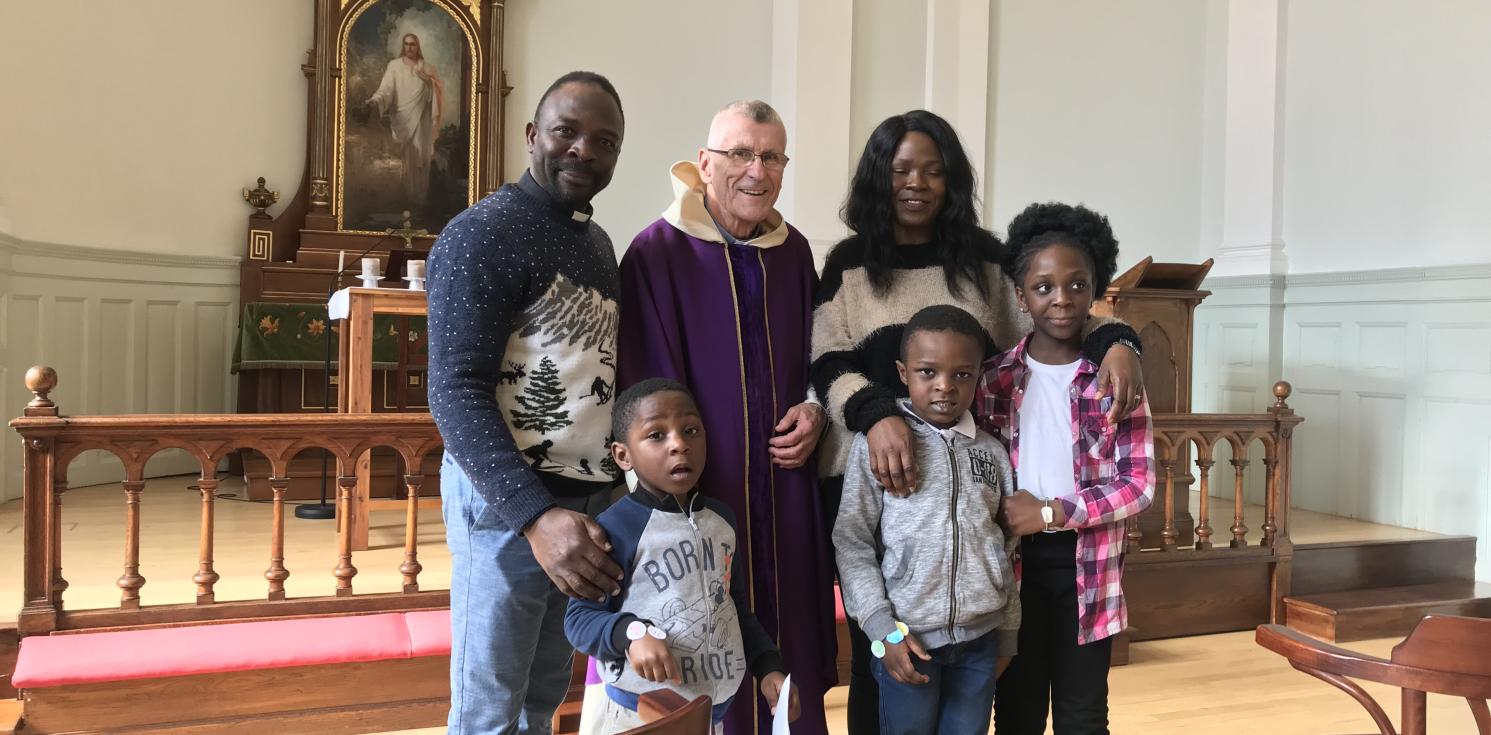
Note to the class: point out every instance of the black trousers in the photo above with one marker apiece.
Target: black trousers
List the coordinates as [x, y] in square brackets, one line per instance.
[1052, 670]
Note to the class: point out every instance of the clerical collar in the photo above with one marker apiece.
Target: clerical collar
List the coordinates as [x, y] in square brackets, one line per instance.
[729, 238]
[531, 187]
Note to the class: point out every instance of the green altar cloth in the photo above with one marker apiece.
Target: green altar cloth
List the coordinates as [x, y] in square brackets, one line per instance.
[272, 335]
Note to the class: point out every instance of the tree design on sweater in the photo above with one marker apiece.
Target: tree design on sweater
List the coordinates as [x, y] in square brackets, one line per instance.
[542, 401]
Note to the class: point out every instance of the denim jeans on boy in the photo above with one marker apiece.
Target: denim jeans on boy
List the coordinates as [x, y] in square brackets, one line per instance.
[959, 699]
[509, 659]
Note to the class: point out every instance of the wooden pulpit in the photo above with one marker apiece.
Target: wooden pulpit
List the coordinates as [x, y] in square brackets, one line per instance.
[355, 308]
[1159, 301]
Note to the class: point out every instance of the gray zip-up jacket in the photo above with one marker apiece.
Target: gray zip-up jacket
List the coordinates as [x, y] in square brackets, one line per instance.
[937, 560]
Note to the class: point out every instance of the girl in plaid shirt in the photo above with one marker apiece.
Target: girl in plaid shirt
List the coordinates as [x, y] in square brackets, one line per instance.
[1079, 475]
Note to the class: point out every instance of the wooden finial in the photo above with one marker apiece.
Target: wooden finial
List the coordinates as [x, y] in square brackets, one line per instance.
[1282, 391]
[40, 380]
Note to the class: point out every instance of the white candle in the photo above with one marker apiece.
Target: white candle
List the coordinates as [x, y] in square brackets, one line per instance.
[417, 269]
[341, 261]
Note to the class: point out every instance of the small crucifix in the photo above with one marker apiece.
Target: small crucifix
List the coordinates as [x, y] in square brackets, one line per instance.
[407, 231]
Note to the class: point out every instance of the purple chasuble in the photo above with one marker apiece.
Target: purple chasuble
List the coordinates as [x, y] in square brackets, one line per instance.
[733, 323]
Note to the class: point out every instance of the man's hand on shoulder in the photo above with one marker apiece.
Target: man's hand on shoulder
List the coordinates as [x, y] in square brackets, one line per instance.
[573, 550]
[803, 425]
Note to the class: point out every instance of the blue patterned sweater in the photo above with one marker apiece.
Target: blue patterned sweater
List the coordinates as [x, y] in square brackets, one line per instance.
[523, 308]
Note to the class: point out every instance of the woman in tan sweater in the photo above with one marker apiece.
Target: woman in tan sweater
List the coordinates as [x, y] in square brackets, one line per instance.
[916, 243]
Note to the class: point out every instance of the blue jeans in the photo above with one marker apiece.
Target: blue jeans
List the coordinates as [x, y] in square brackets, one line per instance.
[509, 658]
[959, 699]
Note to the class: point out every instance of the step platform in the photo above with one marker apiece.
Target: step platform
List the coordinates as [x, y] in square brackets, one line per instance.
[1384, 612]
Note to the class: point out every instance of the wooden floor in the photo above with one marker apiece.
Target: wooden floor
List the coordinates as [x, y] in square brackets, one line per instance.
[1218, 683]
[1225, 684]
[1214, 684]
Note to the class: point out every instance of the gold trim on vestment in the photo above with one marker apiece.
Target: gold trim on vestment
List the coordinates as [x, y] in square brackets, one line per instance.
[745, 414]
[776, 412]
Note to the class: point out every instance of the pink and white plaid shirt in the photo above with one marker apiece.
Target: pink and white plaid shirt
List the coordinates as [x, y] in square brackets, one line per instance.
[1115, 475]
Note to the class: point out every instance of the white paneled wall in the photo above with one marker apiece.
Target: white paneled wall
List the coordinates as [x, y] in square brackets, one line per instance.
[1392, 372]
[126, 332]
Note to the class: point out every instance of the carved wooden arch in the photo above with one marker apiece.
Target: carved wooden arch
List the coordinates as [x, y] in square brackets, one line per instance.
[272, 450]
[340, 451]
[133, 454]
[412, 453]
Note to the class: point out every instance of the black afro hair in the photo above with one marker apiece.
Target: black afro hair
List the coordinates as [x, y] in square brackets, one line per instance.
[1042, 225]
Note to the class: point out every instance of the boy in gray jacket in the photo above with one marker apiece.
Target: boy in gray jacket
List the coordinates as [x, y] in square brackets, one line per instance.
[928, 576]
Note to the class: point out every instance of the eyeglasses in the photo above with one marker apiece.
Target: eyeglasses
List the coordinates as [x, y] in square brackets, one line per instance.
[743, 157]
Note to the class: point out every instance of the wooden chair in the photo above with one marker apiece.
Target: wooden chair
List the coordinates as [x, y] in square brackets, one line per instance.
[1444, 655]
[668, 713]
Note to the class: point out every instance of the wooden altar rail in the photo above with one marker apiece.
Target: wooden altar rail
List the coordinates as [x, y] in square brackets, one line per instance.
[1173, 435]
[1273, 429]
[52, 441]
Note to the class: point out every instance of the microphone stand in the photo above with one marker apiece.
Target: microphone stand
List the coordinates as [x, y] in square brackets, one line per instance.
[324, 510]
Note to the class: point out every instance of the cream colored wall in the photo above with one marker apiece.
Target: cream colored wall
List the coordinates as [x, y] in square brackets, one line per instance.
[1101, 103]
[1387, 146]
[133, 126]
[890, 47]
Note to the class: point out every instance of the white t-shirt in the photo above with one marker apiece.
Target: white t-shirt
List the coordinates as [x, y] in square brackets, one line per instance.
[1046, 431]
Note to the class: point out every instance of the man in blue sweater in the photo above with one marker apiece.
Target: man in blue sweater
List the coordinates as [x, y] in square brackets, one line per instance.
[522, 305]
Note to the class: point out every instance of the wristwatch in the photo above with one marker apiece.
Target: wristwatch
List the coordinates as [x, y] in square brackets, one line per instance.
[636, 629]
[1048, 516]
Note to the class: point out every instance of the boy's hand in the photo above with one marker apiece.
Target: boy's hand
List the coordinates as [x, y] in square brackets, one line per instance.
[1000, 664]
[651, 658]
[771, 688]
[898, 660]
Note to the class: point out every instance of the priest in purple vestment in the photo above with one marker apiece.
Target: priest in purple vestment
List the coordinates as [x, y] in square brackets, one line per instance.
[718, 294]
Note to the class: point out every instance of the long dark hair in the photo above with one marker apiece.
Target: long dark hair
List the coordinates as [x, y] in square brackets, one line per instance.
[962, 246]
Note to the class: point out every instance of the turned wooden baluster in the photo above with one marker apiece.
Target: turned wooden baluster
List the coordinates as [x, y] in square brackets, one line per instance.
[1203, 526]
[277, 573]
[1134, 536]
[205, 577]
[344, 571]
[1270, 497]
[131, 581]
[411, 566]
[1168, 534]
[59, 585]
[1239, 529]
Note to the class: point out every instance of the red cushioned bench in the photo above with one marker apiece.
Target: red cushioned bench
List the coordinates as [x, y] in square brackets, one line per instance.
[348, 674]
